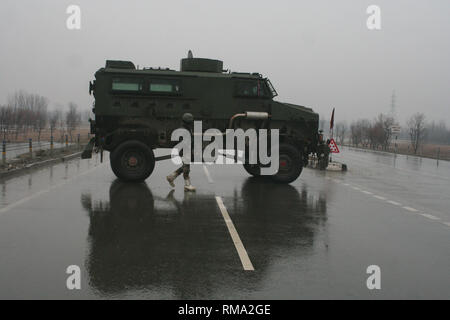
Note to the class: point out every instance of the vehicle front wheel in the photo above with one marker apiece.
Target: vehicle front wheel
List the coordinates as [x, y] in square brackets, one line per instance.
[253, 169]
[132, 161]
[291, 164]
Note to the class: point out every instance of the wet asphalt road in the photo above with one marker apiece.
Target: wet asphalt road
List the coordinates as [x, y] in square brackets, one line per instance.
[314, 238]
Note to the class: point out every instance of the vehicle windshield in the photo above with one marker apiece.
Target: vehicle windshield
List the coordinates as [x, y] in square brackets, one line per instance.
[271, 88]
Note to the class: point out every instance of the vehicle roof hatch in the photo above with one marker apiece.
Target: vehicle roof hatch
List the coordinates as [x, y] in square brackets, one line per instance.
[192, 64]
[118, 64]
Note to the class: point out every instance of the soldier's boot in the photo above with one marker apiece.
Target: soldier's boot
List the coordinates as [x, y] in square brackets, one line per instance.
[171, 178]
[188, 186]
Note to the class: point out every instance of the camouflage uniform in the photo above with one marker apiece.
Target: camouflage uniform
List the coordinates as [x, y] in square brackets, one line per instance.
[185, 169]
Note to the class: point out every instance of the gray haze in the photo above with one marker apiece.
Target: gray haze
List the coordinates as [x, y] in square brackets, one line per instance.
[317, 53]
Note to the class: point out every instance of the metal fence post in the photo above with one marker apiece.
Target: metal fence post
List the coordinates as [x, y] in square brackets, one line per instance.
[51, 144]
[4, 152]
[30, 147]
[78, 140]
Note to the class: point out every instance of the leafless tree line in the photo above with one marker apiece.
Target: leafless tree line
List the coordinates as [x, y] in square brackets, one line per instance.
[26, 113]
[437, 132]
[378, 133]
[372, 134]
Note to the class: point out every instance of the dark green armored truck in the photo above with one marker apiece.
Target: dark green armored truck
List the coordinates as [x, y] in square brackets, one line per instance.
[136, 111]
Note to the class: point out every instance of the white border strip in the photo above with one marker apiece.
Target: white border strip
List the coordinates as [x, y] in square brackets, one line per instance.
[39, 193]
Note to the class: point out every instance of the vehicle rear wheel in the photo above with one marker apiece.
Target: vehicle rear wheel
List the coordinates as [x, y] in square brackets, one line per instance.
[132, 161]
[253, 169]
[291, 164]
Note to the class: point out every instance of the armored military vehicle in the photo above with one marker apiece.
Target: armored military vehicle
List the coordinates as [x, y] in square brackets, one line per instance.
[136, 111]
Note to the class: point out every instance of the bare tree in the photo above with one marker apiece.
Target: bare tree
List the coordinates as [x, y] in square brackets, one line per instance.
[61, 120]
[359, 132]
[416, 125]
[26, 112]
[17, 102]
[54, 118]
[380, 132]
[73, 118]
[341, 131]
[322, 123]
[374, 134]
[4, 121]
[366, 134]
[438, 133]
[41, 115]
[355, 134]
[7, 120]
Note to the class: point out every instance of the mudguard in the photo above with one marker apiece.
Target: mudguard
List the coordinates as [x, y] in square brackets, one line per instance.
[87, 152]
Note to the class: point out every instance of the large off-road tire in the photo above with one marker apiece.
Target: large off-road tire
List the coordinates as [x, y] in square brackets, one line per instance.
[253, 169]
[291, 164]
[132, 161]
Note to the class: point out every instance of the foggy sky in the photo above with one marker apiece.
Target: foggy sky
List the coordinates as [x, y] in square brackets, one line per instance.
[316, 53]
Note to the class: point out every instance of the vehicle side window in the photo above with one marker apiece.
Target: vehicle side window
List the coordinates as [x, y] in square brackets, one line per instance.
[123, 84]
[251, 89]
[164, 86]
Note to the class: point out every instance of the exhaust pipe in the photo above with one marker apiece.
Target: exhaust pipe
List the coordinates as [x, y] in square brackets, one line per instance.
[250, 115]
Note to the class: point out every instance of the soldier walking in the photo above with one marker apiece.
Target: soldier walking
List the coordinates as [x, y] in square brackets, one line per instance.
[185, 169]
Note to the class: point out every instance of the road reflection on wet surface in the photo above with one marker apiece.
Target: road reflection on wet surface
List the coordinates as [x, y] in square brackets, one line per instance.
[138, 240]
[314, 238]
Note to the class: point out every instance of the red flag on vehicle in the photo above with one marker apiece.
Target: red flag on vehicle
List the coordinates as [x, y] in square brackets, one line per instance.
[332, 120]
[333, 146]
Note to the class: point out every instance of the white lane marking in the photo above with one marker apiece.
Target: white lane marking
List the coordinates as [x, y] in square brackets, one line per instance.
[39, 193]
[245, 260]
[430, 216]
[208, 176]
[19, 202]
